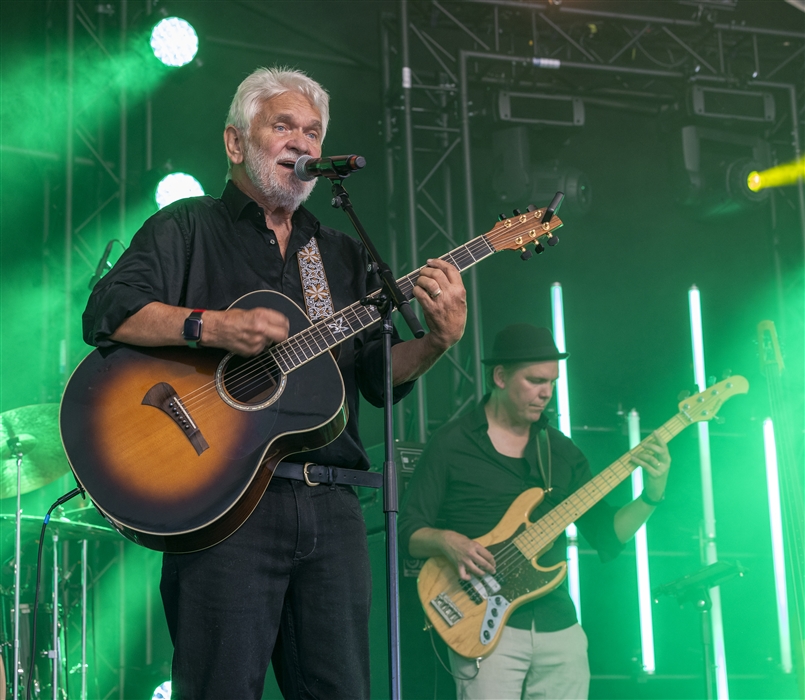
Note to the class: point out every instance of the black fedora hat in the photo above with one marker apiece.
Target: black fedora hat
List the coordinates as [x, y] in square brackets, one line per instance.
[522, 342]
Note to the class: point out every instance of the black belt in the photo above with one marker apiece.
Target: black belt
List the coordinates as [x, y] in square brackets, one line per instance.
[315, 474]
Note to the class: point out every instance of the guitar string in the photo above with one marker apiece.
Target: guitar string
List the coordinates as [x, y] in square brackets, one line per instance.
[252, 369]
[361, 315]
[538, 538]
[531, 538]
[463, 255]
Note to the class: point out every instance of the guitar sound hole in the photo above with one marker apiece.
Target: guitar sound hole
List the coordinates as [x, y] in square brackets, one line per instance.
[251, 380]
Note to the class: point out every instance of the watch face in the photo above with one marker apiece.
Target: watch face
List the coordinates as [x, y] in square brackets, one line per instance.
[192, 329]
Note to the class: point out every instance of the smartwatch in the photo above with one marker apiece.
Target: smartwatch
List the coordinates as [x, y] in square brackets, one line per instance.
[192, 328]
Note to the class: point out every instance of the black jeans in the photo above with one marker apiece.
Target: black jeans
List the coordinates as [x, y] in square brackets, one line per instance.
[292, 584]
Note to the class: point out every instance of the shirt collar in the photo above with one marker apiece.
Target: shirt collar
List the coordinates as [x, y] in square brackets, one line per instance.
[240, 206]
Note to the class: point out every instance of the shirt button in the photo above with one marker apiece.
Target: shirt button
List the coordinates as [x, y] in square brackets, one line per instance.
[271, 241]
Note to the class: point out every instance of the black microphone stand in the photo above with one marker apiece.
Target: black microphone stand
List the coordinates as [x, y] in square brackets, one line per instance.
[389, 299]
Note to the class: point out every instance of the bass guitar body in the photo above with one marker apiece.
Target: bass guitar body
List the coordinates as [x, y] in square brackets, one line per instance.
[177, 446]
[469, 615]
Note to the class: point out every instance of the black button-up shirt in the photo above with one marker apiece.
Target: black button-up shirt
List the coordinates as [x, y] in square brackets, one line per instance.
[463, 483]
[206, 253]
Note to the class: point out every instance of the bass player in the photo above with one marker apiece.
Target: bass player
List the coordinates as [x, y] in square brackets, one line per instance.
[470, 473]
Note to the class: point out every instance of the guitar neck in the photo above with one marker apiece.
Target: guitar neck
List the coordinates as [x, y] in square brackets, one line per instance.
[535, 538]
[329, 332]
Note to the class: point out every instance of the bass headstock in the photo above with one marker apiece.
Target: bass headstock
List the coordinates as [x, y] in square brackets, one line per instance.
[706, 404]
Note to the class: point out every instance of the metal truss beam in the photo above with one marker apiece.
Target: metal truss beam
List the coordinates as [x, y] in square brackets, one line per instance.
[638, 62]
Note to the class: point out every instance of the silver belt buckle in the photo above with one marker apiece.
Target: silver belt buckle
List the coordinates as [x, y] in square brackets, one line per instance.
[307, 478]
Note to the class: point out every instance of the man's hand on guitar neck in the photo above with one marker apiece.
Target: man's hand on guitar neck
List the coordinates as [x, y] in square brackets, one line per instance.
[440, 291]
[655, 460]
[467, 556]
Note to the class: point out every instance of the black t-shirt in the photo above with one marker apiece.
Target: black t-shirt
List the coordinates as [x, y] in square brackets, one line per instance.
[463, 483]
[206, 253]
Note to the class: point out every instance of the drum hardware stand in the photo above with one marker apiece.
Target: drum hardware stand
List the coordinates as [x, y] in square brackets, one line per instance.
[15, 446]
[53, 653]
[695, 588]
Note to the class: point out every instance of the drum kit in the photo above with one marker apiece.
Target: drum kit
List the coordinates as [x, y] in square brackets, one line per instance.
[31, 456]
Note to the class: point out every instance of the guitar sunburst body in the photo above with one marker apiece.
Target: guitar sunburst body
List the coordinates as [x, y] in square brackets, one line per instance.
[483, 611]
[183, 489]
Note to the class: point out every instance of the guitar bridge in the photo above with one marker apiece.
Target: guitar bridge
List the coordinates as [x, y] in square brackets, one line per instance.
[447, 609]
[164, 397]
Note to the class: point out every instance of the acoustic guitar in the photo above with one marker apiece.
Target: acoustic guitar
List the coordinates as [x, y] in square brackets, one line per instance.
[176, 447]
[469, 615]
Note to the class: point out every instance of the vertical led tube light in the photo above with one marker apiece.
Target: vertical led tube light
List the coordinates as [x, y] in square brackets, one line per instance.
[641, 559]
[778, 553]
[563, 408]
[709, 525]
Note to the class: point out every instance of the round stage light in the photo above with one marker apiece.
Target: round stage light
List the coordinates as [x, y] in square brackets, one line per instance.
[177, 186]
[162, 692]
[753, 181]
[174, 41]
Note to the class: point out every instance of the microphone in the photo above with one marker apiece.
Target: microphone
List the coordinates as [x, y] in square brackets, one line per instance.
[335, 167]
[102, 264]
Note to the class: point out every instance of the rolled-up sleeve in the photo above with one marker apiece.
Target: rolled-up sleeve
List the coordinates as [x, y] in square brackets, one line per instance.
[151, 269]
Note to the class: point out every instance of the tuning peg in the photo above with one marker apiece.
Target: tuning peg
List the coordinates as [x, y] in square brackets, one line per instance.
[553, 240]
[526, 254]
[516, 212]
[502, 217]
[530, 207]
[539, 248]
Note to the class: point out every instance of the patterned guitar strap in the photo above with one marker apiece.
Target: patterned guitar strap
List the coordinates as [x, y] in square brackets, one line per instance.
[318, 302]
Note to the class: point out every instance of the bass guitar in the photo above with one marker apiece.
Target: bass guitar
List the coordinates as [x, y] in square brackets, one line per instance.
[469, 615]
[176, 446]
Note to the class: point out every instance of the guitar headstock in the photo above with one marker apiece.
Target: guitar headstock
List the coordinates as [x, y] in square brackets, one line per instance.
[706, 404]
[532, 226]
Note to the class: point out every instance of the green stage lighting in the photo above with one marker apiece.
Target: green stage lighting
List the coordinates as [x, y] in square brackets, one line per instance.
[162, 692]
[177, 186]
[174, 41]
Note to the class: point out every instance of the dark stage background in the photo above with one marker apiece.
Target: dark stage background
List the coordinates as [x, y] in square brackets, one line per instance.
[627, 257]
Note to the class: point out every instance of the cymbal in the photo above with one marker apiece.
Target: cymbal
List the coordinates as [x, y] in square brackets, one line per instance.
[67, 529]
[43, 457]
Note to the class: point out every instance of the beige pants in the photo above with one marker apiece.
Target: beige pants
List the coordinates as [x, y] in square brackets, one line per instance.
[527, 665]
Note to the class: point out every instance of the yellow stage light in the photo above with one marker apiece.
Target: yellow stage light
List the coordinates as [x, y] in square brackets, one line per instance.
[777, 176]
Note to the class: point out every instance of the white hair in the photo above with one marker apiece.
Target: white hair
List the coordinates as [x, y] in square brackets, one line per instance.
[265, 83]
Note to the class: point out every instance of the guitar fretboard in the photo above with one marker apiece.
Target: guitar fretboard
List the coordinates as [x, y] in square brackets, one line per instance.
[325, 334]
[539, 535]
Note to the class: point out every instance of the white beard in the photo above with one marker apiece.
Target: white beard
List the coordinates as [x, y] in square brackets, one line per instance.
[265, 177]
